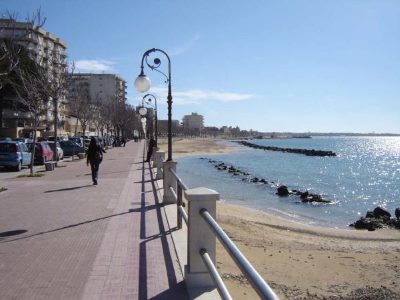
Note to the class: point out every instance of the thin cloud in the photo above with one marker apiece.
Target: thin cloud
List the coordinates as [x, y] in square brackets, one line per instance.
[196, 96]
[94, 65]
[186, 46]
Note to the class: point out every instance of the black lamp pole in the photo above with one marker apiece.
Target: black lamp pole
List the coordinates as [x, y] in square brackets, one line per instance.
[154, 66]
[150, 97]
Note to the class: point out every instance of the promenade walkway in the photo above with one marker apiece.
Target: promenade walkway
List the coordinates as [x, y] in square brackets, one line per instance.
[63, 238]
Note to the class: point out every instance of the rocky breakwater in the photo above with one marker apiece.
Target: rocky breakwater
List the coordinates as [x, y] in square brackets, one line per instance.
[306, 197]
[307, 152]
[281, 190]
[378, 218]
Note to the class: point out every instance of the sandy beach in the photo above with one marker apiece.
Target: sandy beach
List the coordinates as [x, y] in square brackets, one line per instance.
[301, 261]
[197, 146]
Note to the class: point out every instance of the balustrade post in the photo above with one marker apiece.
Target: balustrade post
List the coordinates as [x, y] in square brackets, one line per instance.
[169, 180]
[200, 236]
[158, 157]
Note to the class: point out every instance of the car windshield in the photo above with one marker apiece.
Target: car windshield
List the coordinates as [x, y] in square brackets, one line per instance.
[8, 148]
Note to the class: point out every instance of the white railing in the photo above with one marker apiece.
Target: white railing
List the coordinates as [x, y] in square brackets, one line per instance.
[203, 229]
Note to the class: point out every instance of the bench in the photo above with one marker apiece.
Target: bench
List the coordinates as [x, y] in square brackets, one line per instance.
[50, 165]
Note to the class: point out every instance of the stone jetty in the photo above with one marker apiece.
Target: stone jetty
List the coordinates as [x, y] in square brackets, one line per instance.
[307, 152]
[282, 190]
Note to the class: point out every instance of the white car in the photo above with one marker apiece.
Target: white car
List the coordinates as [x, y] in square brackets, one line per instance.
[60, 152]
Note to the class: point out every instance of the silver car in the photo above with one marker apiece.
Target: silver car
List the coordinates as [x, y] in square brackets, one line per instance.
[14, 155]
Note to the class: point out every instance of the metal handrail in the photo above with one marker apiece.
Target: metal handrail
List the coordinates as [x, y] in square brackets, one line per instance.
[179, 181]
[258, 283]
[184, 214]
[222, 290]
[173, 192]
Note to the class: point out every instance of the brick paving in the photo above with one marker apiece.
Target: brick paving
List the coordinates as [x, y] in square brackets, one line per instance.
[79, 241]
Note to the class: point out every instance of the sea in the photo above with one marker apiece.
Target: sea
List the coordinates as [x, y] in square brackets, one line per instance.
[364, 174]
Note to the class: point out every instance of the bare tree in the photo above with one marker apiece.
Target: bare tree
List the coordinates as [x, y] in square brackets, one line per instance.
[31, 87]
[12, 39]
[81, 104]
[58, 81]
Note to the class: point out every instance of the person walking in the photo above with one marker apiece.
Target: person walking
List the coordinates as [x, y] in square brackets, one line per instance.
[152, 144]
[94, 157]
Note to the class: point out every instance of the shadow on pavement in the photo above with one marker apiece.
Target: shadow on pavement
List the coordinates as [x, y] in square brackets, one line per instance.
[5, 234]
[176, 290]
[68, 189]
[67, 227]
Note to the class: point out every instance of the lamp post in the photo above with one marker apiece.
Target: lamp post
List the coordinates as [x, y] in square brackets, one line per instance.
[142, 113]
[150, 97]
[142, 84]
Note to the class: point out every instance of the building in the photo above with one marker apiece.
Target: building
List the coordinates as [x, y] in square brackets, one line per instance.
[50, 52]
[163, 127]
[193, 123]
[103, 88]
[100, 89]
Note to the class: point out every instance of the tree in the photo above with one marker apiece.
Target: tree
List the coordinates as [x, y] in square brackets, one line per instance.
[31, 87]
[11, 40]
[58, 81]
[81, 104]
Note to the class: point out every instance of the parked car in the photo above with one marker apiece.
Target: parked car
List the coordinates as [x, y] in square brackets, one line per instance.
[59, 138]
[77, 140]
[14, 154]
[86, 142]
[23, 140]
[43, 152]
[71, 148]
[56, 148]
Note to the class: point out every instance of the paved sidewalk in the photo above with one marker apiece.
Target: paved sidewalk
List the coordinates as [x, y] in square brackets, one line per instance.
[63, 238]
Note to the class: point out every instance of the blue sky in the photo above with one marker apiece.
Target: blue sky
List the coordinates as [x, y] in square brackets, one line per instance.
[325, 66]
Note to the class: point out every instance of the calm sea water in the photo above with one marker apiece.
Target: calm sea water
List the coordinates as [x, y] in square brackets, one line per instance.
[364, 174]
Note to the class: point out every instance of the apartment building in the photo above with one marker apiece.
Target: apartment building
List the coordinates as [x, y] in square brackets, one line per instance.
[48, 50]
[101, 89]
[193, 123]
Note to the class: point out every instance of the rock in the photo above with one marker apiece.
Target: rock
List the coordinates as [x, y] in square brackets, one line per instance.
[370, 214]
[397, 213]
[304, 195]
[369, 224]
[316, 198]
[380, 212]
[395, 223]
[283, 191]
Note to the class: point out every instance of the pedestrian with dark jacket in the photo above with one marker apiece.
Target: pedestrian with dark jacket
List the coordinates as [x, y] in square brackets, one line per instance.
[152, 144]
[94, 157]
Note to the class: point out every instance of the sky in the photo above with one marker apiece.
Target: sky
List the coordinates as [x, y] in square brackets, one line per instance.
[298, 66]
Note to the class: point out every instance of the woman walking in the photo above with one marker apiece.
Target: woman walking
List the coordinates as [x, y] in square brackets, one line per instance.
[94, 157]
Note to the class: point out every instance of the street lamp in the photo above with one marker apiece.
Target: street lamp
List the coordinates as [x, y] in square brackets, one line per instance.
[147, 98]
[142, 113]
[143, 120]
[142, 84]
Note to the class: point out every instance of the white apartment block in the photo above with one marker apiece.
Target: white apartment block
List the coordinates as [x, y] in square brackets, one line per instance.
[103, 88]
[49, 51]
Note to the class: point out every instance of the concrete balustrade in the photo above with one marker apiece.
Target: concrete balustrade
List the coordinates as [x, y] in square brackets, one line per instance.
[158, 161]
[169, 180]
[200, 237]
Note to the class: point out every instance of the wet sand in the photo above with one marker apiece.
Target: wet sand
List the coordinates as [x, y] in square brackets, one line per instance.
[300, 261]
